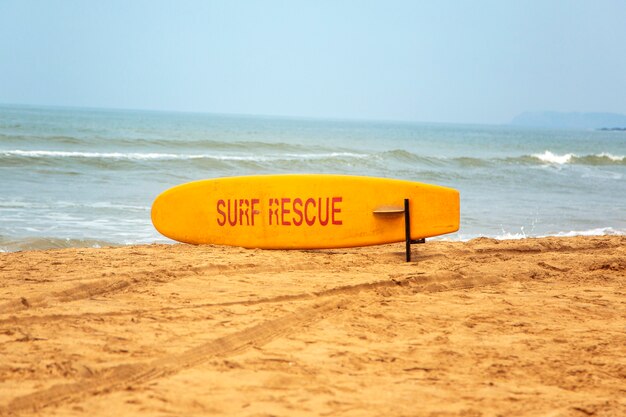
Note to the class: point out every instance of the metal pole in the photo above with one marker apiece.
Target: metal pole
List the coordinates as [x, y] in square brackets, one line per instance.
[407, 229]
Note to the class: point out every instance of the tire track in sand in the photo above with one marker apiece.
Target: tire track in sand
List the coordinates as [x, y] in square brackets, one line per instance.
[122, 376]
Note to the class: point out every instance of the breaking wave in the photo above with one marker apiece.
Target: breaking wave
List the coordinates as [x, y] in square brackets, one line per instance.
[394, 156]
[139, 156]
[603, 158]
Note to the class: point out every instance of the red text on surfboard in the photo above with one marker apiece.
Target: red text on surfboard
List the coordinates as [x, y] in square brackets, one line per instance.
[283, 211]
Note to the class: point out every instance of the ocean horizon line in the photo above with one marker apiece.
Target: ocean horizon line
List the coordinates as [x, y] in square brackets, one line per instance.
[252, 115]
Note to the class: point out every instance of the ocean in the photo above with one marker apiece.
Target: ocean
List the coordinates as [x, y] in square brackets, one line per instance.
[87, 177]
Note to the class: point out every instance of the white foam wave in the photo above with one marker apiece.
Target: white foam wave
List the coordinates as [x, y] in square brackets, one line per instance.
[282, 157]
[170, 156]
[600, 231]
[593, 232]
[552, 158]
[65, 154]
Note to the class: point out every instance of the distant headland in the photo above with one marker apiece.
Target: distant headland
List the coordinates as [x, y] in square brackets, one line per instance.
[559, 120]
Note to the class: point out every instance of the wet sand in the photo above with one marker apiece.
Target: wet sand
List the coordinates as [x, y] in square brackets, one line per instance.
[534, 327]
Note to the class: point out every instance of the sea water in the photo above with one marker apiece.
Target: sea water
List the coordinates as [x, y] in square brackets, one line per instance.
[82, 177]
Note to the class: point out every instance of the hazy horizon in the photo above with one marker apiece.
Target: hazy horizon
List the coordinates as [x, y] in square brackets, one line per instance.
[447, 62]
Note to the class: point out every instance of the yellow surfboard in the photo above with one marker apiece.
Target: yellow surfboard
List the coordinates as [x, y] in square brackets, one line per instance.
[303, 211]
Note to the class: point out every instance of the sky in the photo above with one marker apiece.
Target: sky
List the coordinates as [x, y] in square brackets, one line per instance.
[428, 61]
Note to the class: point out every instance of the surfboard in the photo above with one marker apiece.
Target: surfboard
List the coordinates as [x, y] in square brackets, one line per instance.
[301, 211]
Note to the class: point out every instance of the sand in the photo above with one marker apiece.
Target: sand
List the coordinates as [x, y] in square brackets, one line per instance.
[534, 327]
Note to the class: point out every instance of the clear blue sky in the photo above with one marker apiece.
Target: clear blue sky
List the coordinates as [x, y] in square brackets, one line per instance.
[438, 61]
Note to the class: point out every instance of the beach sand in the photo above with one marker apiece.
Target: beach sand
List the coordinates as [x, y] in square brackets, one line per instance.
[532, 327]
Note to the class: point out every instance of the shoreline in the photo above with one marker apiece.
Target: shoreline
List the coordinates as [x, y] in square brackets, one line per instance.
[27, 244]
[514, 327]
